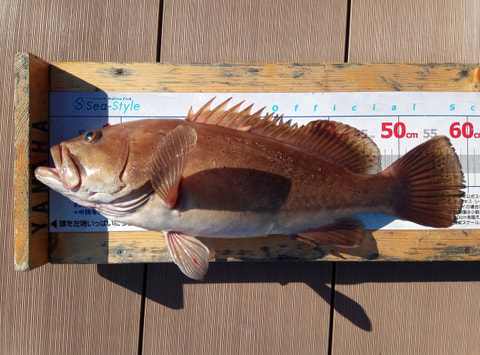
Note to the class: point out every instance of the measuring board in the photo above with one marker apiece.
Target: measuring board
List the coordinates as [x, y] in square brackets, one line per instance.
[63, 99]
[395, 121]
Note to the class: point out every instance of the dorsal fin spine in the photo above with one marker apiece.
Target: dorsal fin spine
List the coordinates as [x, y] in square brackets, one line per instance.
[278, 121]
[241, 121]
[271, 124]
[219, 113]
[204, 109]
[248, 120]
[281, 127]
[229, 120]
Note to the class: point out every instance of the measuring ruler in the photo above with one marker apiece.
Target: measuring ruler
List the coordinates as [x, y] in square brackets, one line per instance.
[396, 121]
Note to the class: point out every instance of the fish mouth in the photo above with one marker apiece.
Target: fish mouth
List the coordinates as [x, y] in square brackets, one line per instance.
[65, 171]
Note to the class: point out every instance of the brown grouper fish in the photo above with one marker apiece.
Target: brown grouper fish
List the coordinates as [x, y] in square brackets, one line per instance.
[228, 173]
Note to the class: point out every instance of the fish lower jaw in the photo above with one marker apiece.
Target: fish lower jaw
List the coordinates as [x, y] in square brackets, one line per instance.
[43, 172]
[50, 177]
[53, 179]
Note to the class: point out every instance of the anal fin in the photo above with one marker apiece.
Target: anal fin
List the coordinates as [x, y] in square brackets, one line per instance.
[343, 232]
[189, 254]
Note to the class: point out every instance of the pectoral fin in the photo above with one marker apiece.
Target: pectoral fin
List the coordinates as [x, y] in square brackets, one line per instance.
[344, 232]
[190, 254]
[169, 161]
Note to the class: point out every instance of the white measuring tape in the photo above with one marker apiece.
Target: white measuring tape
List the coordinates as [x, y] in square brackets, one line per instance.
[396, 121]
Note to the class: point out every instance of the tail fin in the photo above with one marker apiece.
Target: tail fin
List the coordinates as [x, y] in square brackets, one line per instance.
[428, 183]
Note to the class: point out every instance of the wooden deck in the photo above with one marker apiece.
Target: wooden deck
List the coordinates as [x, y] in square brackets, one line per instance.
[241, 308]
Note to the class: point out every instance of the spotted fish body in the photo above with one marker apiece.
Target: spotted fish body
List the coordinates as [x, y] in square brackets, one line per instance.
[227, 173]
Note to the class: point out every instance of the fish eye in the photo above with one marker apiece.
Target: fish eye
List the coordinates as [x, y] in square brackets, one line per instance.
[92, 136]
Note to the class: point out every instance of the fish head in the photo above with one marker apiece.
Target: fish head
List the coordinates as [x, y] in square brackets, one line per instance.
[103, 165]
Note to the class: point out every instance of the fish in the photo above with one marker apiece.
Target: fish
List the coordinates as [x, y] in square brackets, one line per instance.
[225, 172]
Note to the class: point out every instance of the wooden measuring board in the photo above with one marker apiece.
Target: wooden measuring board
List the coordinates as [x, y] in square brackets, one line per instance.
[36, 80]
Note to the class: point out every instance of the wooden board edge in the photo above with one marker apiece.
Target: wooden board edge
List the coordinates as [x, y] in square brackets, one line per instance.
[380, 245]
[31, 149]
[283, 77]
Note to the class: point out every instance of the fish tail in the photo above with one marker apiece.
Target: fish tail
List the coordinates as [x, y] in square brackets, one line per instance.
[427, 184]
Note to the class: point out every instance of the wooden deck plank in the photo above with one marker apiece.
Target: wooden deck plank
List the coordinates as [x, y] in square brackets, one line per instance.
[442, 31]
[410, 308]
[249, 307]
[407, 308]
[67, 309]
[205, 31]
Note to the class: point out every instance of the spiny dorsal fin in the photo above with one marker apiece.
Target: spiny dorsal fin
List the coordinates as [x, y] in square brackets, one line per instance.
[332, 141]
